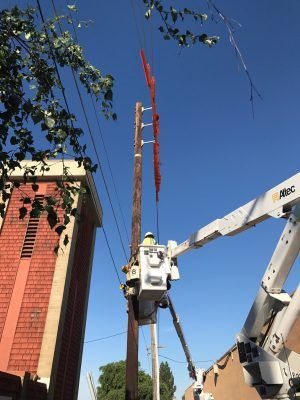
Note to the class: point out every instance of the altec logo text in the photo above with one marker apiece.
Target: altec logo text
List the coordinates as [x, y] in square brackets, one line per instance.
[283, 193]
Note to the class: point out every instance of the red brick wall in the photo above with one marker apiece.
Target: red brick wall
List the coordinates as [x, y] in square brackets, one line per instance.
[11, 241]
[69, 361]
[30, 327]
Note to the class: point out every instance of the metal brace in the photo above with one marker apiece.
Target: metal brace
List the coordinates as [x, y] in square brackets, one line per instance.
[145, 125]
[146, 108]
[147, 142]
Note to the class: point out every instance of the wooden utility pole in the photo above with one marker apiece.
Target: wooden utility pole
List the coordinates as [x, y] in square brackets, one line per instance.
[131, 384]
[155, 370]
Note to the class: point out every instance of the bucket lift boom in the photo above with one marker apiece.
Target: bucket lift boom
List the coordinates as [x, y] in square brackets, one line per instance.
[268, 366]
[197, 374]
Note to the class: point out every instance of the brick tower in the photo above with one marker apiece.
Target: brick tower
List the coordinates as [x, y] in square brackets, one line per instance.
[44, 295]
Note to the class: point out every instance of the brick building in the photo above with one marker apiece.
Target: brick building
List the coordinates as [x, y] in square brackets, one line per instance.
[44, 295]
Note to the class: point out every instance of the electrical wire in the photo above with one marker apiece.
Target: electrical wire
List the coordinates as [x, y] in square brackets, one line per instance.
[101, 135]
[184, 362]
[136, 23]
[108, 194]
[105, 337]
[111, 256]
[106, 187]
[54, 60]
[157, 221]
[139, 17]
[99, 163]
[92, 138]
[110, 169]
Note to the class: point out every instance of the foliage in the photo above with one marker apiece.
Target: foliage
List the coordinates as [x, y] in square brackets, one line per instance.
[182, 26]
[35, 120]
[167, 387]
[112, 383]
[171, 19]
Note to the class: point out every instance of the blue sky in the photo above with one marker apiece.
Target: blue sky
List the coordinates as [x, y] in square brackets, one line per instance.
[215, 157]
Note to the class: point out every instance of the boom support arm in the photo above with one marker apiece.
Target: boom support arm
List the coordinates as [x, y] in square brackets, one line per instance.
[198, 375]
[177, 326]
[275, 203]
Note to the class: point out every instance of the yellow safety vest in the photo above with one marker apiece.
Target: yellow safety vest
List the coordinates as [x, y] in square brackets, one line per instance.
[149, 241]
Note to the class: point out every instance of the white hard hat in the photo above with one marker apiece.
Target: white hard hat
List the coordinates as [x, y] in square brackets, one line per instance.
[149, 234]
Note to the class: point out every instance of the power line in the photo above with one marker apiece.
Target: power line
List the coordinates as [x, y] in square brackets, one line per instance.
[111, 256]
[99, 163]
[136, 22]
[103, 177]
[110, 169]
[101, 136]
[105, 337]
[184, 362]
[157, 221]
[92, 138]
[54, 60]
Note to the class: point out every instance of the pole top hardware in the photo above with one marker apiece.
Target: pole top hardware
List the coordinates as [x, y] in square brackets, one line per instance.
[146, 108]
[147, 142]
[144, 125]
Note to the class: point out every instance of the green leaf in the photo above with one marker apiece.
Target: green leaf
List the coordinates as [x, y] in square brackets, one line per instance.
[52, 218]
[35, 187]
[74, 212]
[27, 106]
[50, 122]
[27, 35]
[66, 240]
[59, 230]
[174, 16]
[108, 95]
[72, 7]
[51, 201]
[56, 248]
[37, 117]
[14, 140]
[22, 212]
[148, 14]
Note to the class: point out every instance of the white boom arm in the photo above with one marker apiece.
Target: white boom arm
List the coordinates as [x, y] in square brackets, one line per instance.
[268, 366]
[273, 203]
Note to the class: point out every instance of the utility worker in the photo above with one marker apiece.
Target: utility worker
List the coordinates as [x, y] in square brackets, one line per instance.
[149, 239]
